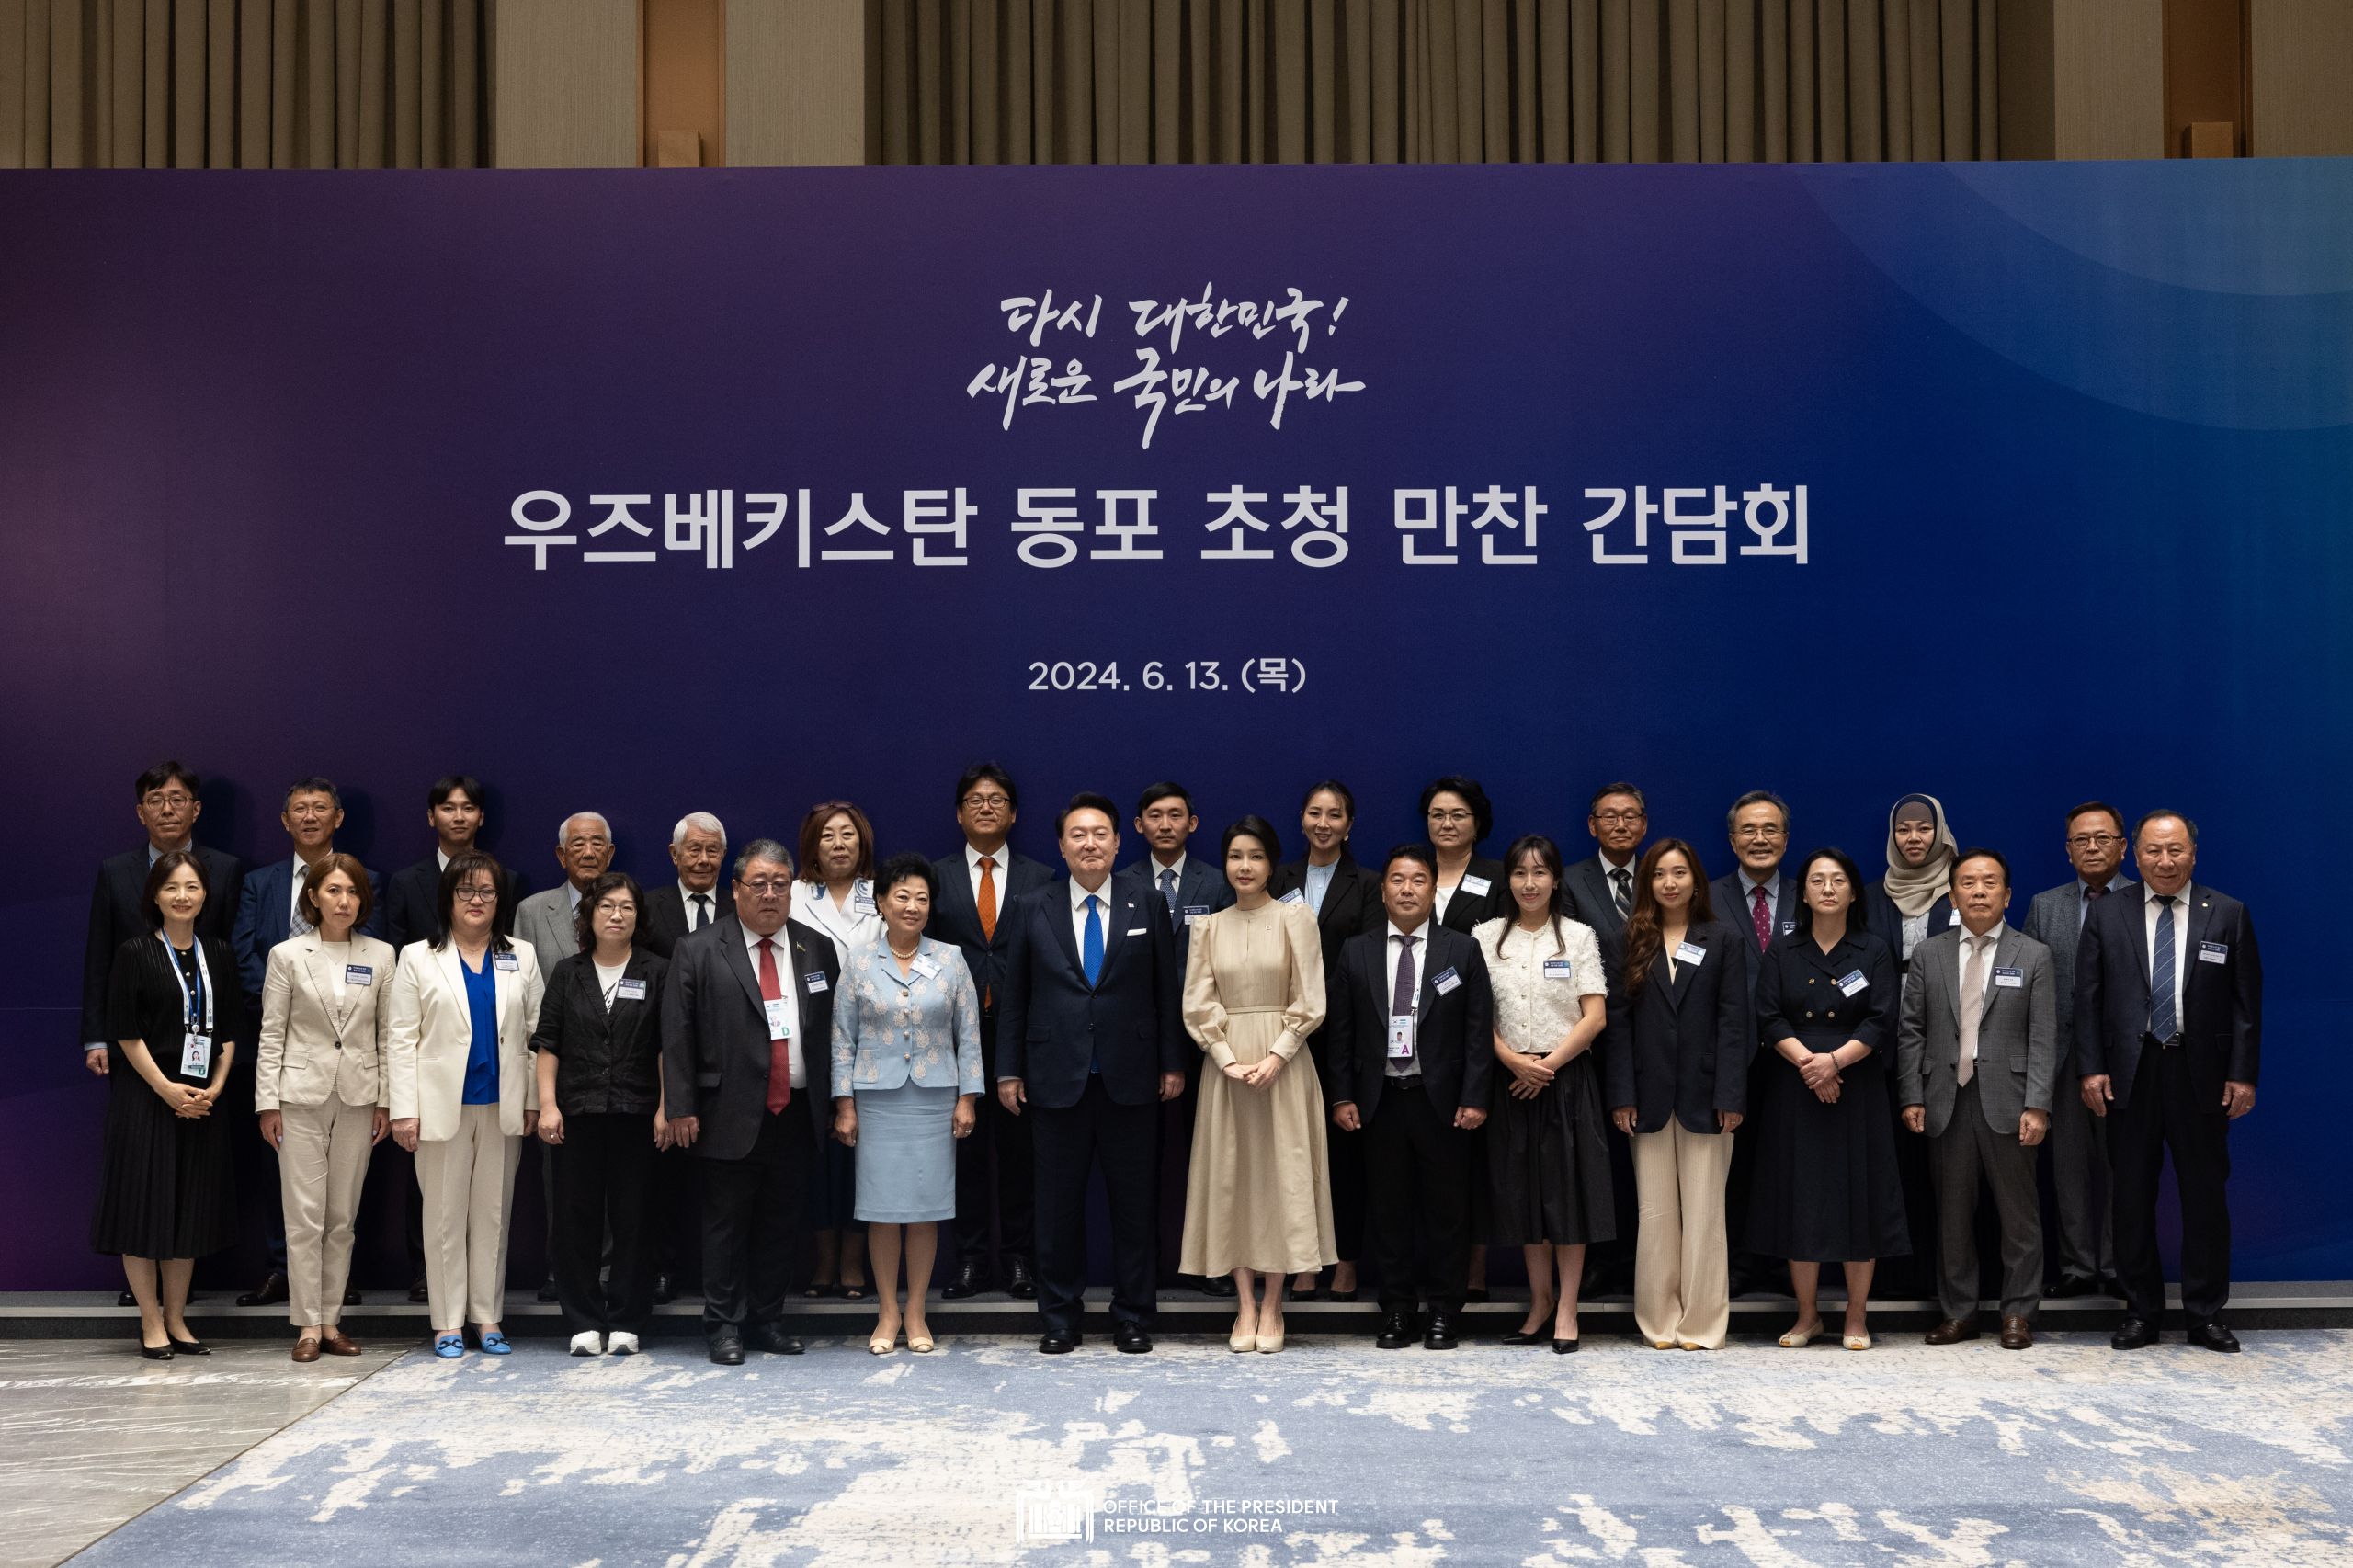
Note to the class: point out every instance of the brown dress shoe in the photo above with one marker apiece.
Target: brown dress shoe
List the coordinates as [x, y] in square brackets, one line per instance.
[1952, 1331]
[306, 1349]
[2016, 1334]
[334, 1343]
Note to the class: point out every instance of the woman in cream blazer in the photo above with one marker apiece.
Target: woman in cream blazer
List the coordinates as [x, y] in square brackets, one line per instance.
[318, 1084]
[463, 1096]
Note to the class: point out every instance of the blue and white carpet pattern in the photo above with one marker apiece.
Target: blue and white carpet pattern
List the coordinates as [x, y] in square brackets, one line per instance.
[1330, 1452]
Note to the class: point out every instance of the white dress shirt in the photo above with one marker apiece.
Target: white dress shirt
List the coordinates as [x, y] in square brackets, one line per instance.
[1155, 871]
[1405, 1066]
[1318, 882]
[1078, 897]
[441, 857]
[783, 940]
[698, 918]
[1748, 886]
[1003, 859]
[2149, 909]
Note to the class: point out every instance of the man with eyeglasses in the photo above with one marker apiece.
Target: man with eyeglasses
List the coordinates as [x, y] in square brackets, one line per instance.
[977, 887]
[1756, 898]
[1601, 889]
[2078, 1141]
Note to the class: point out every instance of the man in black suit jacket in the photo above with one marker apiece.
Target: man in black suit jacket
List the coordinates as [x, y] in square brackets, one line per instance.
[454, 811]
[1090, 1043]
[165, 799]
[2168, 1037]
[1759, 827]
[699, 897]
[1601, 887]
[977, 887]
[749, 1009]
[1416, 1081]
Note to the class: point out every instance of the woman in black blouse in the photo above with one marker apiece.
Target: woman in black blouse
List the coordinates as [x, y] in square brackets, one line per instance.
[599, 1057]
[177, 1012]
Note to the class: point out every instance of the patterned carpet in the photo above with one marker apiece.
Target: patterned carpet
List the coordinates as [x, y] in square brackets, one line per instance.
[1330, 1452]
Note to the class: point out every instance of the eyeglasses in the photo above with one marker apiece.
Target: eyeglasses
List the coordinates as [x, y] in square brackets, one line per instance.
[2093, 840]
[1619, 816]
[1754, 831]
[616, 906]
[988, 802]
[1451, 817]
[160, 798]
[767, 887]
[476, 896]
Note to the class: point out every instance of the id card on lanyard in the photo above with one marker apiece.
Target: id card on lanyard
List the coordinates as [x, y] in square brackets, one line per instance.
[196, 1045]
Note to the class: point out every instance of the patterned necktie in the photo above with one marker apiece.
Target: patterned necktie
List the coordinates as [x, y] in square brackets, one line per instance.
[2161, 967]
[1972, 1003]
[702, 911]
[1763, 918]
[1168, 895]
[1402, 1004]
[780, 1050]
[1622, 891]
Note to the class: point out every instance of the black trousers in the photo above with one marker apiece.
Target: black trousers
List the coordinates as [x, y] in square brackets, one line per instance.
[1096, 1130]
[674, 1219]
[751, 1213]
[995, 1170]
[1417, 1191]
[603, 1177]
[2167, 1113]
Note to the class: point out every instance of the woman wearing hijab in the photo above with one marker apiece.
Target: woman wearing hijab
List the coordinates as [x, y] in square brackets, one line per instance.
[1914, 901]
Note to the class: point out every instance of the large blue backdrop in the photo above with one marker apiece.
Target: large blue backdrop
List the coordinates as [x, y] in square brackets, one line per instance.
[2013, 484]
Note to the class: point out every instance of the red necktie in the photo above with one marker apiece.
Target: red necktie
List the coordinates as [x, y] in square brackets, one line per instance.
[1764, 919]
[780, 1050]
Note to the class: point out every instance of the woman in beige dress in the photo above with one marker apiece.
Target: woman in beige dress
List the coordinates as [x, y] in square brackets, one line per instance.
[1258, 1199]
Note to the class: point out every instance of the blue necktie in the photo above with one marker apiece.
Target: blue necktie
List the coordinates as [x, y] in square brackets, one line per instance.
[1090, 956]
[1168, 896]
[2161, 969]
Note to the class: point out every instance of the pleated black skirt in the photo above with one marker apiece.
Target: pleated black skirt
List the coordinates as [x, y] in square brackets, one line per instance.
[164, 1188]
[1548, 1163]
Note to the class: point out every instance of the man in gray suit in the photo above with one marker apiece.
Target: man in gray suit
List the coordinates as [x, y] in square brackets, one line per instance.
[1976, 1058]
[2078, 1139]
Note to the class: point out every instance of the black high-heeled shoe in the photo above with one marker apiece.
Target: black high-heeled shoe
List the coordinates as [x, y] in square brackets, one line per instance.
[1527, 1336]
[190, 1347]
[155, 1352]
[1564, 1346]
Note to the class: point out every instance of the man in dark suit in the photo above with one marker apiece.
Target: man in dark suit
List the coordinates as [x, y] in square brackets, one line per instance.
[977, 886]
[1089, 1044]
[1601, 888]
[312, 816]
[697, 898]
[1412, 1045]
[2078, 1141]
[1185, 887]
[453, 810]
[1758, 899]
[746, 1062]
[2168, 1037]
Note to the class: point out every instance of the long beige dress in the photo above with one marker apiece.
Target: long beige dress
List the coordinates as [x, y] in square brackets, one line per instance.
[1258, 1195]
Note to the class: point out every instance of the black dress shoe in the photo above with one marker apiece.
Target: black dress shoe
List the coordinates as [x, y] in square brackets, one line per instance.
[727, 1348]
[125, 1299]
[1219, 1284]
[350, 1298]
[967, 1281]
[1131, 1339]
[1565, 1346]
[665, 1292]
[2110, 1285]
[1055, 1343]
[268, 1293]
[1019, 1282]
[2133, 1334]
[1396, 1331]
[197, 1347]
[1340, 1295]
[547, 1291]
[2215, 1334]
[772, 1337]
[1441, 1334]
[2069, 1286]
[418, 1292]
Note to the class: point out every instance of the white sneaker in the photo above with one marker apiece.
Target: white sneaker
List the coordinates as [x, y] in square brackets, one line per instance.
[587, 1342]
[620, 1343]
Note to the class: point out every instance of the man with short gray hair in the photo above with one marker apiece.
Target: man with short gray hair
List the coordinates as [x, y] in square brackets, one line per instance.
[700, 896]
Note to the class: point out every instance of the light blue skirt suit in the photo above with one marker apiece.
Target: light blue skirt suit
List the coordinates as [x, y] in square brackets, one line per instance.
[904, 1047]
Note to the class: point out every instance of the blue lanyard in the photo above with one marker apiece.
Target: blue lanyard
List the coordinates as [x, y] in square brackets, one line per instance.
[203, 984]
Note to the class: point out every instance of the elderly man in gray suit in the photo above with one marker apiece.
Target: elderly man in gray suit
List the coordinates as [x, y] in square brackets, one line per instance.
[1977, 1057]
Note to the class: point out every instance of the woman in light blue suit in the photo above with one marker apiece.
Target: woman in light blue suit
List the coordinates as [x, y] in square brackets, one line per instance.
[906, 1077]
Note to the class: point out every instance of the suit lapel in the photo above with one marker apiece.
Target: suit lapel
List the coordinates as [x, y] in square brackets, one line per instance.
[453, 974]
[955, 899]
[2200, 922]
[1677, 983]
[731, 953]
[1058, 919]
[2139, 933]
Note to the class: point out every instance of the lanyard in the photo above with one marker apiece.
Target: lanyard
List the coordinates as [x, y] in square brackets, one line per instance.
[203, 983]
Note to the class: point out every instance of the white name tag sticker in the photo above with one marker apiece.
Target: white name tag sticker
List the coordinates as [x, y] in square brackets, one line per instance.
[1691, 952]
[631, 991]
[361, 974]
[507, 961]
[1787, 927]
[196, 1057]
[924, 965]
[1446, 982]
[1476, 886]
[2213, 952]
[1853, 982]
[2009, 979]
[1401, 1036]
[1560, 969]
[813, 984]
[1294, 896]
[862, 902]
[779, 1019]
[1195, 912]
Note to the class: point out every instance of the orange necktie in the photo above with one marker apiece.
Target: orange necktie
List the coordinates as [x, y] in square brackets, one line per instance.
[987, 900]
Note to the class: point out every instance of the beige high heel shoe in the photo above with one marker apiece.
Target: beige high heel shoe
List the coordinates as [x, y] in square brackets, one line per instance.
[1270, 1343]
[1798, 1339]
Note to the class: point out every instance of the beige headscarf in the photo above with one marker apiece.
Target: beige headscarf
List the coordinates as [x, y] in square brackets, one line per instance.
[1914, 890]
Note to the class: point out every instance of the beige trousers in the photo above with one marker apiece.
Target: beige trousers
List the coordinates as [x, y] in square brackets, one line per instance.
[321, 1167]
[1682, 1285]
[468, 1181]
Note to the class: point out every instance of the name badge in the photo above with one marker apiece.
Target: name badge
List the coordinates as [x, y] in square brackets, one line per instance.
[813, 984]
[2010, 979]
[1787, 927]
[1446, 982]
[361, 974]
[1854, 982]
[1294, 896]
[1476, 886]
[196, 1057]
[924, 965]
[1956, 918]
[1560, 969]
[862, 901]
[1193, 913]
[1691, 952]
[2213, 952]
[1401, 1036]
[631, 991]
[779, 1019]
[507, 961]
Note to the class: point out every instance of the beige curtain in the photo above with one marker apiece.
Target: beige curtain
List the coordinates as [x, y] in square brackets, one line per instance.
[1430, 81]
[241, 84]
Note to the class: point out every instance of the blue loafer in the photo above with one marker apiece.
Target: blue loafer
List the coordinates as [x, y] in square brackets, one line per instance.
[494, 1343]
[448, 1347]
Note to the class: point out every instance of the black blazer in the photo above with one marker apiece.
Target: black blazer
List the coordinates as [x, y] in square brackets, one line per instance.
[607, 1062]
[1351, 908]
[715, 1033]
[410, 899]
[1454, 1037]
[1682, 1046]
[1051, 1024]
[1886, 922]
[143, 1003]
[117, 913]
[1202, 889]
[956, 918]
[1798, 994]
[2221, 1020]
[1466, 910]
[1590, 899]
[666, 913]
[1732, 907]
